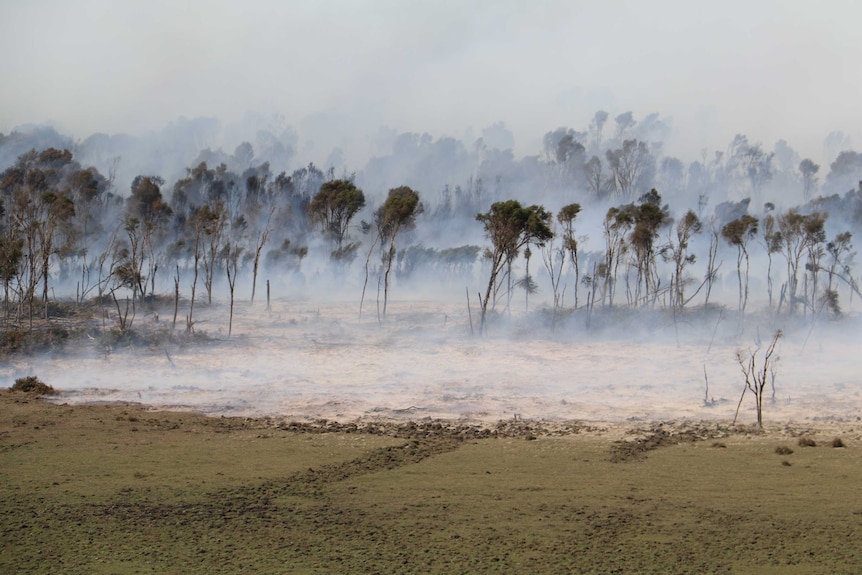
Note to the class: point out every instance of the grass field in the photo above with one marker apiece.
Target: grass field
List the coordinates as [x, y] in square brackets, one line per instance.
[119, 489]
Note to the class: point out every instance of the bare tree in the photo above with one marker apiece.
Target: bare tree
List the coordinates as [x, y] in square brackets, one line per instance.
[231, 262]
[261, 242]
[554, 258]
[757, 376]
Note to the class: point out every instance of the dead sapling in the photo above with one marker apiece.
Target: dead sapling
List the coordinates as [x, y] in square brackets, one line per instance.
[757, 376]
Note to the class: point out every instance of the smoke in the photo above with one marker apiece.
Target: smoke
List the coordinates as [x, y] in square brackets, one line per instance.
[553, 104]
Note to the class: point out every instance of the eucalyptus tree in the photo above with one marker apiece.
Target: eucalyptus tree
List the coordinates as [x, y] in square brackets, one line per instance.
[11, 255]
[771, 240]
[632, 167]
[678, 253]
[214, 220]
[808, 169]
[39, 211]
[510, 226]
[799, 233]
[204, 229]
[334, 206]
[566, 218]
[738, 233]
[147, 210]
[649, 218]
[841, 251]
[397, 214]
[618, 221]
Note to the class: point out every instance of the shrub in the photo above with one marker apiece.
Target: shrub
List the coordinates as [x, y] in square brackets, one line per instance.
[783, 450]
[32, 385]
[837, 442]
[807, 442]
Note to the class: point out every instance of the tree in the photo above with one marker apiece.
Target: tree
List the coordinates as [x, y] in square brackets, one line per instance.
[262, 236]
[41, 211]
[772, 245]
[11, 255]
[566, 218]
[649, 218]
[510, 227]
[677, 252]
[632, 167]
[809, 170]
[231, 262]
[756, 376]
[397, 214]
[146, 202]
[206, 225]
[798, 232]
[845, 172]
[213, 220]
[749, 165]
[840, 250]
[596, 127]
[618, 221]
[738, 233]
[334, 206]
[596, 182]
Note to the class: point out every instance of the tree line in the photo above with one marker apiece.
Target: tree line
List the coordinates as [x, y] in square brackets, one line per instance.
[63, 223]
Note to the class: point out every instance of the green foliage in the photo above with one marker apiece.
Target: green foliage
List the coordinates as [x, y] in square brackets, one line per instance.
[334, 207]
[398, 212]
[510, 226]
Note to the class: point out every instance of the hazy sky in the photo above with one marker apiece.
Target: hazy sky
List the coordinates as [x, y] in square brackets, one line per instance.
[770, 69]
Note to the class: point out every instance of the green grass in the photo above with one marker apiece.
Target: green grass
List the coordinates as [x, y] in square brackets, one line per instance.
[114, 489]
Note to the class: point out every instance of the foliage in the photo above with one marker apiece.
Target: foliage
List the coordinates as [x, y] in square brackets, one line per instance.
[334, 207]
[32, 385]
[510, 227]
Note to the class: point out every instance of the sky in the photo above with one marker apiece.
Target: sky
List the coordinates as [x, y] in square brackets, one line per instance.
[769, 69]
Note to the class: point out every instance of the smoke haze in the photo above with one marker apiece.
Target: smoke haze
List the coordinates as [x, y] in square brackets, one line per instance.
[250, 108]
[339, 70]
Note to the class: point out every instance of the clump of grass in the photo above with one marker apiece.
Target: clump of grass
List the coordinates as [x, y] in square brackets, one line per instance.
[32, 385]
[837, 442]
[807, 442]
[783, 450]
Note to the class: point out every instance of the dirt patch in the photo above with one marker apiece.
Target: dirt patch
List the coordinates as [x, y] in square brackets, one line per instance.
[664, 435]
